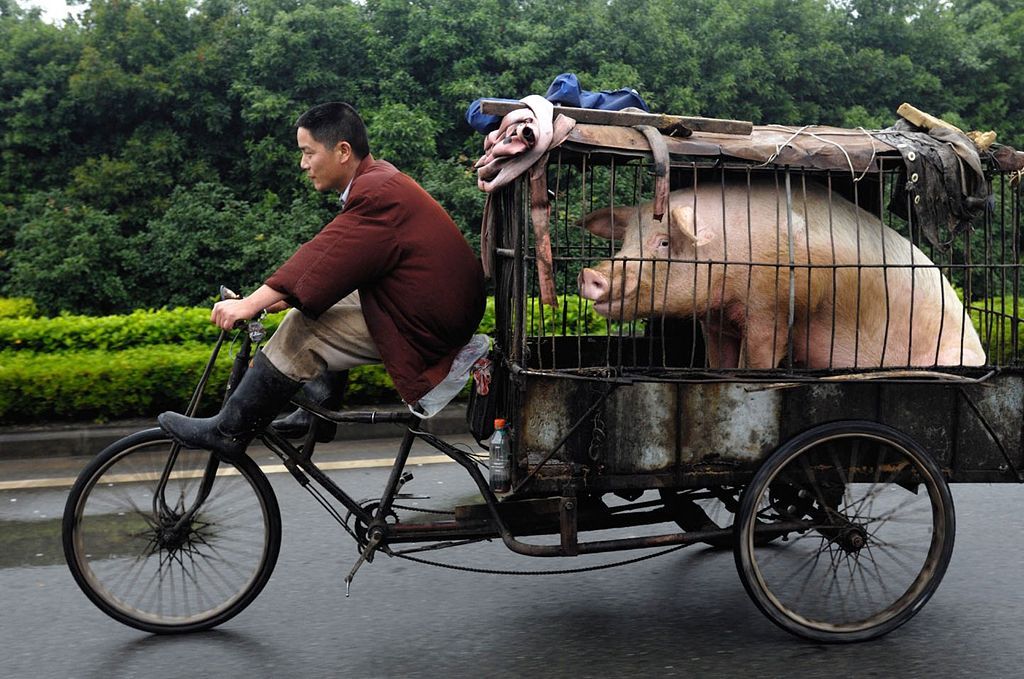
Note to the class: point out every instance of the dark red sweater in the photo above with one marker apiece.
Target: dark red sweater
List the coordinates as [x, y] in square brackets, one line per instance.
[420, 284]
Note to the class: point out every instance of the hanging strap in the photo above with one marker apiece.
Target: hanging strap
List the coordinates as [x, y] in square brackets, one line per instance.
[659, 150]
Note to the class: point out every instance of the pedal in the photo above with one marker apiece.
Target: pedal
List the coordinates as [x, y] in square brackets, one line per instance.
[404, 479]
[364, 556]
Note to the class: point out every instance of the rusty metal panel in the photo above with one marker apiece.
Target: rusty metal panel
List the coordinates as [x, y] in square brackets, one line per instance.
[545, 419]
[1000, 402]
[728, 421]
[545, 416]
[926, 413]
[809, 405]
[635, 431]
[641, 428]
[647, 427]
[664, 428]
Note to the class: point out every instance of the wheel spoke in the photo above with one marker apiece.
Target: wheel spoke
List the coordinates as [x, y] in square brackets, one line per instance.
[155, 572]
[882, 547]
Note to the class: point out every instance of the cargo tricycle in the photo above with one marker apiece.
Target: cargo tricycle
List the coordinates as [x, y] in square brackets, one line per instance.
[826, 473]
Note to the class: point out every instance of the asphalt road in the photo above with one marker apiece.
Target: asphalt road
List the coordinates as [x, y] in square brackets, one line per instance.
[684, 614]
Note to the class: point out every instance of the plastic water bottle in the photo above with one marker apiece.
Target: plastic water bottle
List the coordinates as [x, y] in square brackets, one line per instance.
[501, 459]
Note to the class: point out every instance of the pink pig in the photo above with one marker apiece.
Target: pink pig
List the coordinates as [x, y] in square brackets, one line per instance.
[723, 254]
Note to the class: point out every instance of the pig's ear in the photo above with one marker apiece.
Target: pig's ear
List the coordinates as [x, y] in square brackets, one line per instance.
[681, 219]
[608, 222]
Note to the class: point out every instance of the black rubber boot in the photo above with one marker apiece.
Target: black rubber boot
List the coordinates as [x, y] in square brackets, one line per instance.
[261, 394]
[327, 390]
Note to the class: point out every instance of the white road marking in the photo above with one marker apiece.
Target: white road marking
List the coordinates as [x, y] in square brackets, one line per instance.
[68, 481]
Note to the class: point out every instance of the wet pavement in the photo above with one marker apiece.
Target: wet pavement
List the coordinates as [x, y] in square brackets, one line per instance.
[684, 614]
[33, 491]
[30, 529]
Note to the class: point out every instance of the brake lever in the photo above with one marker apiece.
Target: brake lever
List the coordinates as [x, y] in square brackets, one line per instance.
[257, 333]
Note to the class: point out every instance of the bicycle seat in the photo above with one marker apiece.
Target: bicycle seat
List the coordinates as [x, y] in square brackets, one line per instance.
[437, 398]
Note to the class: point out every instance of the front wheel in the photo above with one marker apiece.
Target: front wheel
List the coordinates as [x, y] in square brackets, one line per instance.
[866, 524]
[142, 558]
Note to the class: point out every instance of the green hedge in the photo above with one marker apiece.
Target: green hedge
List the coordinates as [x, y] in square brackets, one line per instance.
[113, 333]
[108, 367]
[101, 384]
[101, 368]
[997, 319]
[192, 324]
[138, 382]
[17, 307]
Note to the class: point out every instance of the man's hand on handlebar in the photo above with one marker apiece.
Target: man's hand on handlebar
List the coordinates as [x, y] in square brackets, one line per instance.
[230, 312]
[227, 313]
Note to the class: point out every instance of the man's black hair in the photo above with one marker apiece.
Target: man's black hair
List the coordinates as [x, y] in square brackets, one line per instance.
[333, 122]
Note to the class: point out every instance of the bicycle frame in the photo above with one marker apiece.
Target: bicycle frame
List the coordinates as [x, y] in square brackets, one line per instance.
[298, 459]
[491, 524]
[160, 507]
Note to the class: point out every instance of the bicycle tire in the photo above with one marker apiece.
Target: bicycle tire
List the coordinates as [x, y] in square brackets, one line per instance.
[136, 570]
[873, 547]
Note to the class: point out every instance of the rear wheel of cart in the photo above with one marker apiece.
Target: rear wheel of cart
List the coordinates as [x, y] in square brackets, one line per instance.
[866, 524]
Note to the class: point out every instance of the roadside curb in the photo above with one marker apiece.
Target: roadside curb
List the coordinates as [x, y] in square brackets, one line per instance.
[60, 440]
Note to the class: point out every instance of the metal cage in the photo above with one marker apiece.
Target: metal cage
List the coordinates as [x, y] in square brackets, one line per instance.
[642, 398]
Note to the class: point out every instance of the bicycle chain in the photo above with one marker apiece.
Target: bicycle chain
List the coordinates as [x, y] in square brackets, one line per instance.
[564, 571]
[424, 510]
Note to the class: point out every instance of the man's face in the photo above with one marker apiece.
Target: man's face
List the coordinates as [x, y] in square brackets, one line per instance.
[328, 169]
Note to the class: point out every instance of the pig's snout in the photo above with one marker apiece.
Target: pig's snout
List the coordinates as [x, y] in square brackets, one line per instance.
[593, 285]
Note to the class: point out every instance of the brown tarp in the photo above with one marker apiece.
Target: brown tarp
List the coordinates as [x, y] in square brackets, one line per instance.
[813, 146]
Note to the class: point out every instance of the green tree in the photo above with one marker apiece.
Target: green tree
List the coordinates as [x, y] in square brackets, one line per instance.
[207, 237]
[404, 136]
[297, 55]
[69, 257]
[453, 183]
[137, 183]
[36, 61]
[139, 110]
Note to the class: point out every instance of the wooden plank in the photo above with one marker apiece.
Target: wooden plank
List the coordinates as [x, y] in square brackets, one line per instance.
[922, 119]
[661, 121]
[629, 139]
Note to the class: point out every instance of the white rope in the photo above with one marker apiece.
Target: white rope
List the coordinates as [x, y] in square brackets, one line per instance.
[849, 161]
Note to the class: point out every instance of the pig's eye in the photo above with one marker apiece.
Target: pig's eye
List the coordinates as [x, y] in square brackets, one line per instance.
[659, 244]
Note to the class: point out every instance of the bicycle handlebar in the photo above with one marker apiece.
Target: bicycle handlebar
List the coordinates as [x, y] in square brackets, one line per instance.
[253, 326]
[228, 293]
